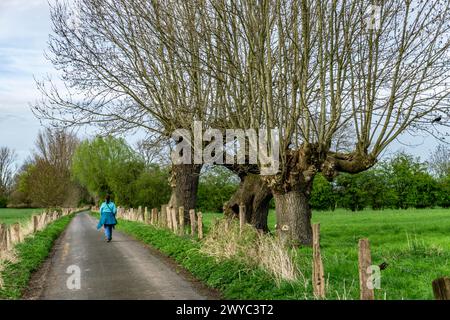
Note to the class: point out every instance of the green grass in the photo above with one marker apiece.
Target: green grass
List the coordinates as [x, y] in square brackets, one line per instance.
[30, 253]
[415, 243]
[10, 216]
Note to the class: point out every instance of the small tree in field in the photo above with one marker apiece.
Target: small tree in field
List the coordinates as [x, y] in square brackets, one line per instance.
[46, 179]
[440, 161]
[7, 159]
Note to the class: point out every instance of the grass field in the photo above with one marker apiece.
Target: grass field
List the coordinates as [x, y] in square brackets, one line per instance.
[415, 244]
[10, 216]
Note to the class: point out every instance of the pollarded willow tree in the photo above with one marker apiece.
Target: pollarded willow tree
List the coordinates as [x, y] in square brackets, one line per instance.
[122, 71]
[311, 68]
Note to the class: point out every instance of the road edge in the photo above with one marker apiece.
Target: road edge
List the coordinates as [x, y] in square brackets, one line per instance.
[35, 287]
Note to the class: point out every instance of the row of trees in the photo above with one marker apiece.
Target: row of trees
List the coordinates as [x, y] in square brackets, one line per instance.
[66, 172]
[44, 179]
[110, 165]
[313, 69]
[401, 182]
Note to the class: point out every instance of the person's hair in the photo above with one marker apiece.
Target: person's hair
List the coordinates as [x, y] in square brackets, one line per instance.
[108, 198]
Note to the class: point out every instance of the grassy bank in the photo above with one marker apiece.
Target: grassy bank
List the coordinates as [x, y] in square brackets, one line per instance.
[414, 243]
[30, 254]
[10, 216]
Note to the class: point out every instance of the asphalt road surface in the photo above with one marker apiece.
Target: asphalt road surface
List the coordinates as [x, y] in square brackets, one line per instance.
[122, 269]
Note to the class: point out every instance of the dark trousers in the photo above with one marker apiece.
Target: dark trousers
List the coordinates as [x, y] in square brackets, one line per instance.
[108, 231]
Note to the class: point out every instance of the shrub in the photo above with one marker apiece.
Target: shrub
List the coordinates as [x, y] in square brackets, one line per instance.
[322, 195]
[226, 241]
[3, 202]
[216, 186]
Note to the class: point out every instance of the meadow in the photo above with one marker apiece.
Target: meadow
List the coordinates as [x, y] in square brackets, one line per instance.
[10, 216]
[415, 243]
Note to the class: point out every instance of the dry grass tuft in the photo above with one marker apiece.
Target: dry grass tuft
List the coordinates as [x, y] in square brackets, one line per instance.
[225, 241]
[4, 257]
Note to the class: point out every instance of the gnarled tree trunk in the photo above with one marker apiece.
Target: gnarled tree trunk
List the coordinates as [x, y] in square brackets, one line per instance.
[256, 196]
[292, 192]
[293, 217]
[184, 182]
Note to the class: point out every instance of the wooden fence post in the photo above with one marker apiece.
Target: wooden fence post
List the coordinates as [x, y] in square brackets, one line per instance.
[19, 232]
[42, 220]
[9, 239]
[241, 217]
[441, 288]
[174, 220]
[169, 218]
[154, 219]
[163, 218]
[318, 274]
[365, 261]
[146, 216]
[181, 218]
[192, 217]
[35, 223]
[141, 215]
[200, 224]
[3, 237]
[16, 233]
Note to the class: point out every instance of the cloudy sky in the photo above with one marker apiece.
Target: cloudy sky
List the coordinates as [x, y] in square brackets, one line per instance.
[24, 29]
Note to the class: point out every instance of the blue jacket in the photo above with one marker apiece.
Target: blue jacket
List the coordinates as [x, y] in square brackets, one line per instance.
[107, 214]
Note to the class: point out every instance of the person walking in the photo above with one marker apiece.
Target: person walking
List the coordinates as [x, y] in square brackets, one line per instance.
[108, 220]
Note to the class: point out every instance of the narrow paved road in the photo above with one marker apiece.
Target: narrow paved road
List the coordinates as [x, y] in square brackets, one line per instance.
[122, 269]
